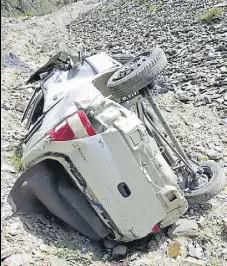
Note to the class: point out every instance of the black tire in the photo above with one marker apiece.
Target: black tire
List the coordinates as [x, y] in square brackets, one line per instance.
[147, 70]
[215, 185]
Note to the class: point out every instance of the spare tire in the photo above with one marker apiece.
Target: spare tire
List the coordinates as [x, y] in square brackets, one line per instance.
[137, 73]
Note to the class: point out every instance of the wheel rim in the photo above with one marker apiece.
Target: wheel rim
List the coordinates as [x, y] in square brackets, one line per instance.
[203, 179]
[130, 66]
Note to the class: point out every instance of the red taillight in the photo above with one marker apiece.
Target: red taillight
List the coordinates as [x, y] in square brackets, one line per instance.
[156, 229]
[75, 126]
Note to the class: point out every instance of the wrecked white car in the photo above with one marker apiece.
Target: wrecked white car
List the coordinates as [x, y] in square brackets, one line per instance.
[101, 168]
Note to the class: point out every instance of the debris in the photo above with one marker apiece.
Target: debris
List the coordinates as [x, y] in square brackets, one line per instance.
[183, 227]
[214, 155]
[174, 249]
[105, 257]
[109, 243]
[223, 4]
[29, 225]
[201, 222]
[220, 100]
[183, 97]
[195, 252]
[119, 251]
[134, 256]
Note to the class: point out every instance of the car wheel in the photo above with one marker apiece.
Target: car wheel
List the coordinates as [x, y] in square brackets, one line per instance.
[216, 182]
[137, 73]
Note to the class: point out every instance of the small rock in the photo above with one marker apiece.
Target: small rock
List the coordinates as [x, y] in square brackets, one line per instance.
[84, 250]
[223, 69]
[183, 97]
[6, 106]
[215, 96]
[13, 232]
[195, 252]
[119, 251]
[18, 260]
[211, 55]
[220, 100]
[168, 109]
[58, 262]
[174, 249]
[183, 227]
[30, 226]
[134, 256]
[44, 247]
[109, 243]
[222, 90]
[105, 257]
[214, 155]
[224, 251]
[20, 107]
[201, 222]
[223, 4]
[197, 125]
[13, 226]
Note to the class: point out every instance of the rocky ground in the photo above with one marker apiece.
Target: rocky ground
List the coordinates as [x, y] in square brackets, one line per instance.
[196, 108]
[10, 8]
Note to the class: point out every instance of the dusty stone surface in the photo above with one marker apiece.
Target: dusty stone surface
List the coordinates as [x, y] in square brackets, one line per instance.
[183, 227]
[196, 70]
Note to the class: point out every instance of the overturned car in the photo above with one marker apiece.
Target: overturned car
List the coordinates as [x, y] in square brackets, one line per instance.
[101, 168]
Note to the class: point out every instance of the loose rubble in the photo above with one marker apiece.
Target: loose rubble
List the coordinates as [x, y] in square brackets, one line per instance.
[195, 108]
[196, 72]
[119, 251]
[183, 227]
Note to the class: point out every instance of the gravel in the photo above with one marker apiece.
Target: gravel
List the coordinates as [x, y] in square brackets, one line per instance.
[196, 51]
[197, 54]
